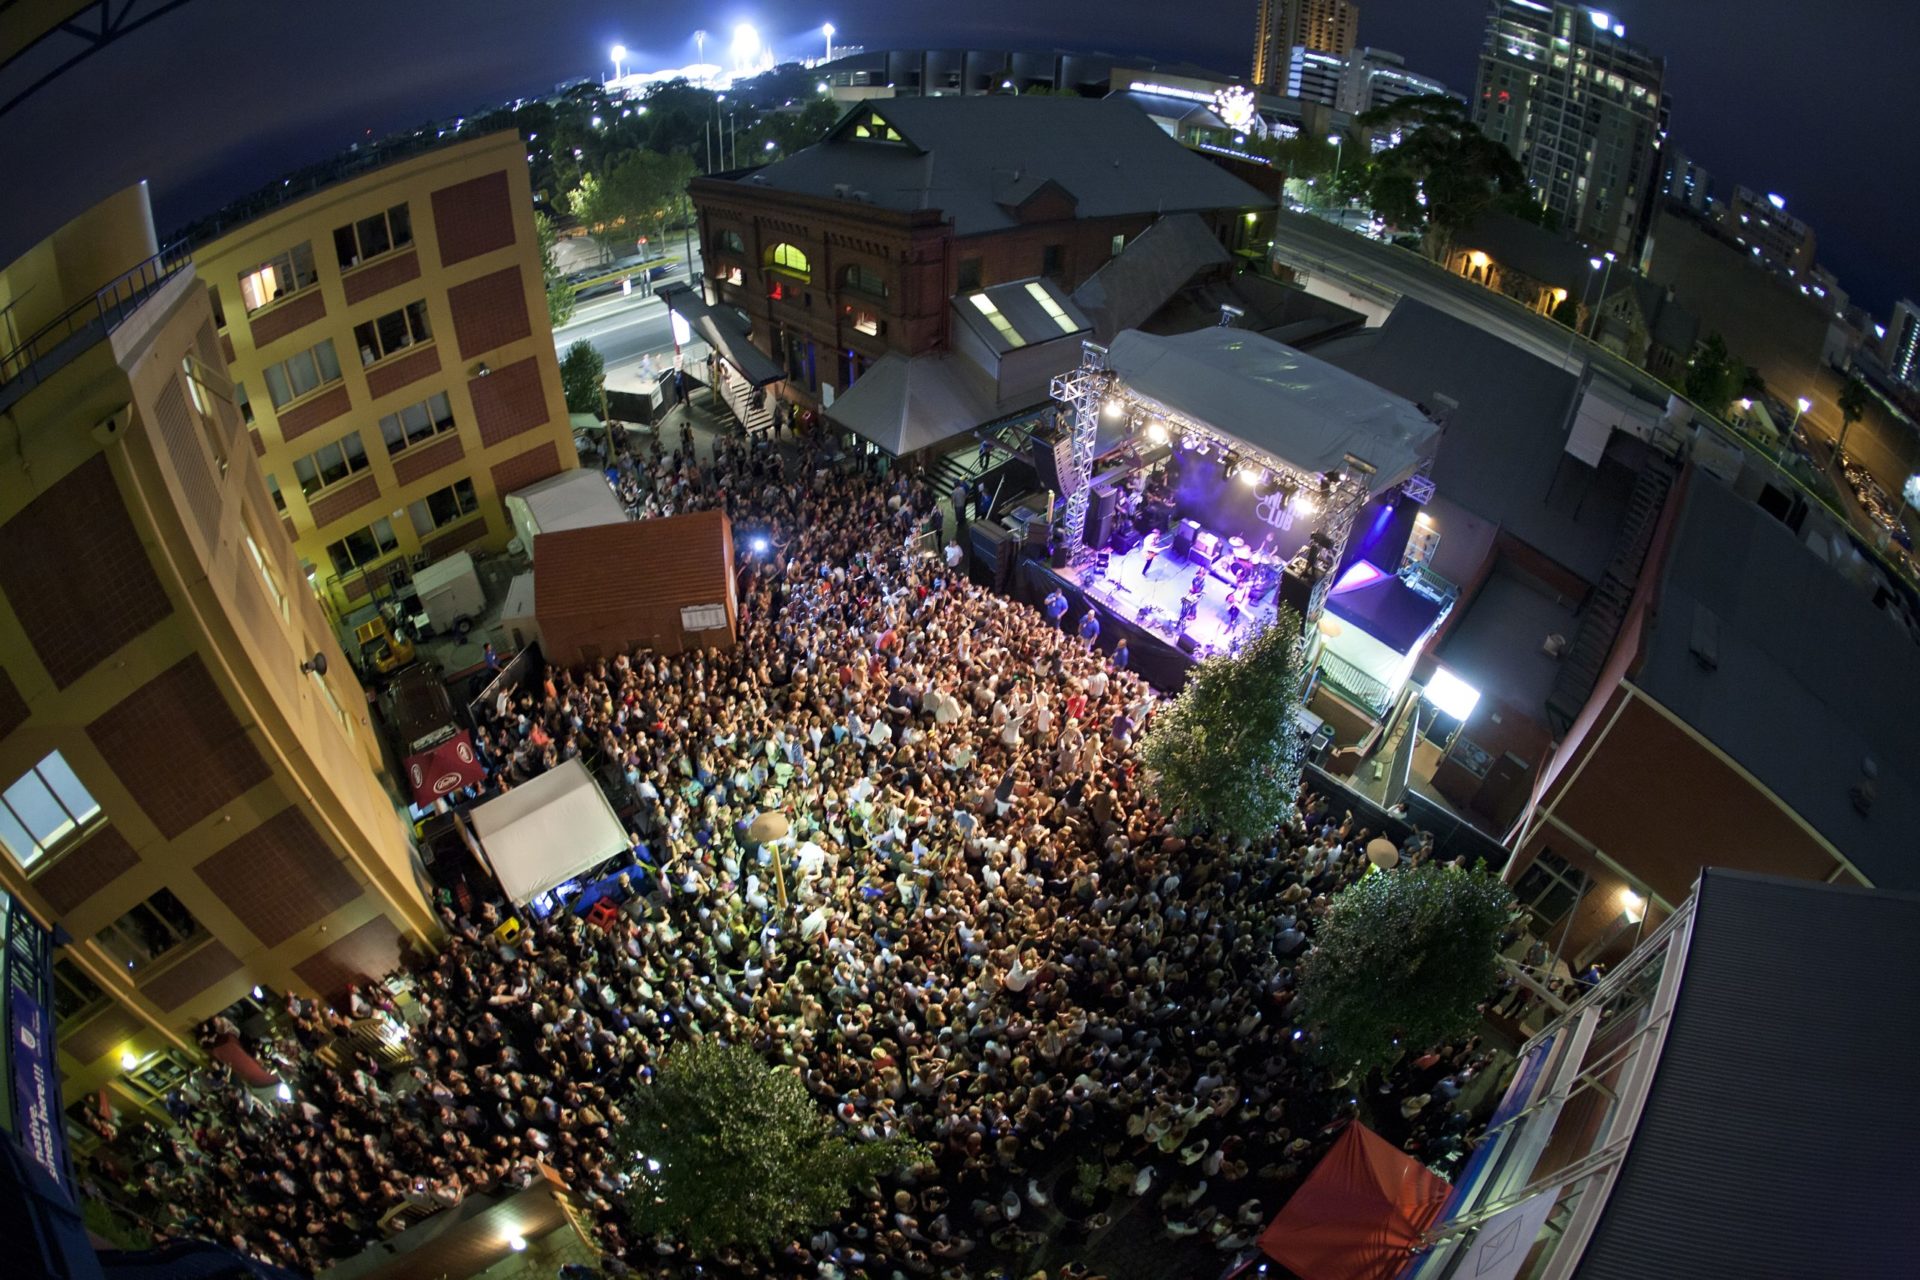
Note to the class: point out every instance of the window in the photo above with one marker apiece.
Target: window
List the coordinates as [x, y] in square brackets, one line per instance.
[788, 259]
[42, 808]
[354, 243]
[864, 280]
[161, 1074]
[326, 691]
[444, 507]
[330, 464]
[866, 320]
[988, 308]
[74, 993]
[240, 398]
[363, 546]
[1119, 243]
[300, 374]
[1548, 889]
[1053, 259]
[731, 275]
[219, 311]
[417, 423]
[278, 277]
[149, 931]
[395, 331]
[1038, 292]
[969, 275]
[730, 242]
[873, 127]
[274, 593]
[273, 491]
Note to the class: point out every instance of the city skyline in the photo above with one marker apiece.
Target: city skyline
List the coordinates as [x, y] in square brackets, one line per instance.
[225, 135]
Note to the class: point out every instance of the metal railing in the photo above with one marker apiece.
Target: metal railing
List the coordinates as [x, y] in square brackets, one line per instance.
[52, 345]
[1353, 683]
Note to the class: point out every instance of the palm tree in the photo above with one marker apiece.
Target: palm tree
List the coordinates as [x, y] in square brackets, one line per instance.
[1853, 407]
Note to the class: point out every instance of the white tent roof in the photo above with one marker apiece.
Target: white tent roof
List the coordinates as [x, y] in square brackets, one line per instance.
[544, 832]
[1303, 411]
[571, 500]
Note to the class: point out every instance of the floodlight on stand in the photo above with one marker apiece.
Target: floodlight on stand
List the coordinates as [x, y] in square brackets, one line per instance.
[1452, 695]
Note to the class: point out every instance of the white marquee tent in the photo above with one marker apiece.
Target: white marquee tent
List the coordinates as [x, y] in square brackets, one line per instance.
[544, 832]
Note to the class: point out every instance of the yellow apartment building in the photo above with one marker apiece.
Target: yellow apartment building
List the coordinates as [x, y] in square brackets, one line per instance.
[392, 358]
[190, 785]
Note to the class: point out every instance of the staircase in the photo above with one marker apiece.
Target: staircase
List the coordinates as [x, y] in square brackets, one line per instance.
[949, 469]
[740, 399]
[1607, 603]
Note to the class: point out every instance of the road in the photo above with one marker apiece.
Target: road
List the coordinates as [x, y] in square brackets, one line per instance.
[621, 327]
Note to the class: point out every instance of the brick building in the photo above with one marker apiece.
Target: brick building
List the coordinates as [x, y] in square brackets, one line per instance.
[853, 248]
[387, 335]
[189, 783]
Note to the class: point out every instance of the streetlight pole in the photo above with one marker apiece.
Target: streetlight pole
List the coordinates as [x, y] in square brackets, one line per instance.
[1339, 148]
[827, 31]
[1605, 276]
[619, 56]
[700, 44]
[1800, 406]
[1586, 290]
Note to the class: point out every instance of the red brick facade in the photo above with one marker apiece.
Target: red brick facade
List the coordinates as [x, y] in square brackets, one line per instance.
[317, 412]
[527, 468]
[424, 460]
[343, 501]
[489, 311]
[380, 275]
[810, 325]
[508, 401]
[276, 322]
[473, 217]
[395, 372]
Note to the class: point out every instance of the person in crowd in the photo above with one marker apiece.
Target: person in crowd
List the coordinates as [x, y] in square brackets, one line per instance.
[996, 941]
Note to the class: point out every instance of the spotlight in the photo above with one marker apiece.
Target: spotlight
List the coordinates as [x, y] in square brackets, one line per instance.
[284, 1093]
[1157, 432]
[517, 1243]
[1251, 475]
[759, 544]
[1112, 407]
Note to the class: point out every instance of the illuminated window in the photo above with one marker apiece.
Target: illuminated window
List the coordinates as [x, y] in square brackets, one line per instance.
[371, 236]
[732, 275]
[391, 333]
[1039, 294]
[986, 307]
[43, 808]
[873, 127]
[789, 259]
[278, 277]
[274, 592]
[330, 464]
[417, 423]
[866, 321]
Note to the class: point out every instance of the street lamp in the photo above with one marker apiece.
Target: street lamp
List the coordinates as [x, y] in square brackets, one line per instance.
[700, 47]
[619, 56]
[1602, 300]
[1339, 147]
[827, 31]
[1800, 406]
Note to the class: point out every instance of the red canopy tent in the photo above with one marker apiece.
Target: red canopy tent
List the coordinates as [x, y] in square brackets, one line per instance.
[444, 768]
[1358, 1214]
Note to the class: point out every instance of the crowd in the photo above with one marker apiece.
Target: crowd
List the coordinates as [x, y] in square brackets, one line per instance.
[997, 944]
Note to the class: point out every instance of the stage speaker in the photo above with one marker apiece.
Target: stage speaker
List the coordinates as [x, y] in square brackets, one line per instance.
[994, 551]
[1127, 539]
[1183, 535]
[1100, 511]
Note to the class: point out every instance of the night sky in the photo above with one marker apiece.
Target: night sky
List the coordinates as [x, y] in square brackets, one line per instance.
[1815, 101]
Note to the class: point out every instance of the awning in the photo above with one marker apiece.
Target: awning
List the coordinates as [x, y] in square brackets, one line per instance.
[544, 832]
[1359, 1213]
[905, 404]
[443, 769]
[724, 332]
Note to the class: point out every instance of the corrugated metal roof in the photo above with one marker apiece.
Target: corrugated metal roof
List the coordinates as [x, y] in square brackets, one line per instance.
[1157, 264]
[634, 564]
[1778, 1135]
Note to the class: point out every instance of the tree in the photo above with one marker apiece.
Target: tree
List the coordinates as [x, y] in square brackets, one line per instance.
[726, 1151]
[1403, 960]
[559, 292]
[1443, 172]
[580, 372]
[1853, 407]
[632, 199]
[1224, 754]
[1713, 376]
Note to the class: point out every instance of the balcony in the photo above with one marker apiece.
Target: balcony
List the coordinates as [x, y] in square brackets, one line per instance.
[75, 331]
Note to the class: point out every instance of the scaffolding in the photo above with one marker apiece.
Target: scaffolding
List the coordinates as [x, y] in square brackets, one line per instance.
[1083, 393]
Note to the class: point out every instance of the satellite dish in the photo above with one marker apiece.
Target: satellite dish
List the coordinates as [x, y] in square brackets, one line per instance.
[1381, 853]
[768, 827]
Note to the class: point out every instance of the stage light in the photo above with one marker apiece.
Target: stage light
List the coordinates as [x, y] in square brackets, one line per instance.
[1305, 504]
[1632, 905]
[1157, 432]
[517, 1243]
[1251, 475]
[1452, 695]
[1112, 408]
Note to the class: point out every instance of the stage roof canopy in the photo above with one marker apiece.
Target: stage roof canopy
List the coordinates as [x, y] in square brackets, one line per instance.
[1277, 401]
[546, 831]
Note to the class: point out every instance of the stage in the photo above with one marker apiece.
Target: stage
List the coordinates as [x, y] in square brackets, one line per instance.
[1151, 596]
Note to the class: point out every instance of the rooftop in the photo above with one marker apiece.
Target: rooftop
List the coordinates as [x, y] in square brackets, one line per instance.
[1807, 680]
[1777, 1133]
[676, 559]
[980, 159]
[1020, 313]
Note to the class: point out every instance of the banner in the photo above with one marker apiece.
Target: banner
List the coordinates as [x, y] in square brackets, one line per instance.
[36, 1088]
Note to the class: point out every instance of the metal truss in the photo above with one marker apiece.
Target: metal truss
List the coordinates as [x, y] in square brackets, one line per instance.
[1082, 392]
[94, 23]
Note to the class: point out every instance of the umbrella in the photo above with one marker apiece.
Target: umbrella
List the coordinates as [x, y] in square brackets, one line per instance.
[768, 827]
[1381, 853]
